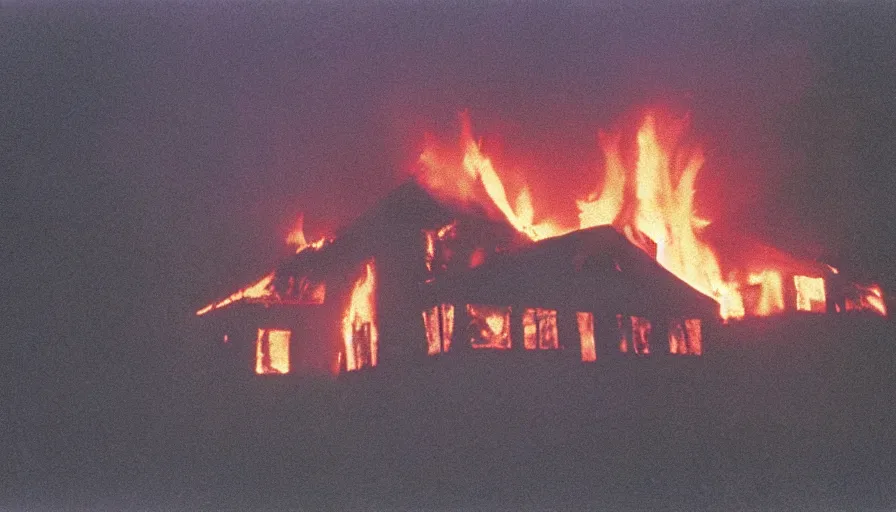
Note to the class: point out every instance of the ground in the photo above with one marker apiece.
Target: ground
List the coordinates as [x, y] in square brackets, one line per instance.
[791, 414]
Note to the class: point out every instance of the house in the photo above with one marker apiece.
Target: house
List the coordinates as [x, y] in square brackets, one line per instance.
[419, 276]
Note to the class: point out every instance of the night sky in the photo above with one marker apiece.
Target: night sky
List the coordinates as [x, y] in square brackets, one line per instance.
[155, 155]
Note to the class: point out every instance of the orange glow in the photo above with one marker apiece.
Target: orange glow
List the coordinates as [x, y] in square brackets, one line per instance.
[272, 352]
[540, 329]
[810, 294]
[439, 325]
[359, 328]
[641, 335]
[441, 174]
[623, 331]
[693, 329]
[663, 182]
[686, 338]
[867, 298]
[585, 322]
[297, 237]
[771, 292]
[653, 199]
[257, 290]
[490, 326]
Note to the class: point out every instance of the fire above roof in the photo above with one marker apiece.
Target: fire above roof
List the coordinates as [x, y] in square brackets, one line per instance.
[594, 269]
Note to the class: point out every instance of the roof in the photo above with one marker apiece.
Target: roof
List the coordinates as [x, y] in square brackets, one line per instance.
[594, 269]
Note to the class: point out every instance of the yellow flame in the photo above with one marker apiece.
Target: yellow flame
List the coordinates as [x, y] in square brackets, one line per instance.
[361, 311]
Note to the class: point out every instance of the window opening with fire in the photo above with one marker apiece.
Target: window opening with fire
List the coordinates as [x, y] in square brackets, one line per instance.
[585, 323]
[634, 334]
[438, 322]
[489, 326]
[540, 329]
[685, 337]
[810, 294]
[272, 352]
[359, 325]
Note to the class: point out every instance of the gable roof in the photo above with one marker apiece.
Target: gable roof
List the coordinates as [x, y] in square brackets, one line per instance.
[594, 269]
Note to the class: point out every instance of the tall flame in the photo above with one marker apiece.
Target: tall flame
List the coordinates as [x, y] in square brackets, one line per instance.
[478, 168]
[655, 199]
[360, 316]
[663, 208]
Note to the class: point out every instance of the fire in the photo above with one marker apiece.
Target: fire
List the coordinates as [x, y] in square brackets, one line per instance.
[663, 207]
[359, 329]
[272, 352]
[492, 326]
[872, 298]
[654, 199]
[585, 323]
[771, 292]
[257, 290]
[810, 294]
[442, 174]
[297, 237]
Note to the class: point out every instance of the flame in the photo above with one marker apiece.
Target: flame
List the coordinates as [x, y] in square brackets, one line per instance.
[585, 322]
[272, 352]
[297, 237]
[873, 297]
[810, 294]
[442, 175]
[492, 326]
[663, 209]
[360, 317]
[257, 290]
[654, 199]
[438, 322]
[771, 292]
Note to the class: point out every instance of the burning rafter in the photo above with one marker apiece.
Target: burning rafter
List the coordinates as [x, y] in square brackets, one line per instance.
[652, 201]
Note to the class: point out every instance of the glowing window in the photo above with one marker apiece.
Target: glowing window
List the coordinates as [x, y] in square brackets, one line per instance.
[623, 332]
[489, 326]
[685, 337]
[540, 329]
[641, 335]
[359, 326]
[272, 352]
[585, 322]
[810, 295]
[439, 324]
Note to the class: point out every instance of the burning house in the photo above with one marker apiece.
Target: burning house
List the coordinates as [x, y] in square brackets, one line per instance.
[444, 264]
[416, 276]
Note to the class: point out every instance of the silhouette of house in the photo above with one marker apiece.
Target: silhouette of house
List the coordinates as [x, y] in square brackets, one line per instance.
[419, 276]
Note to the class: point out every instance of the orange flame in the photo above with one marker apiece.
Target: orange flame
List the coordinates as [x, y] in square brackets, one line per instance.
[256, 290]
[771, 292]
[585, 323]
[478, 168]
[297, 237]
[873, 297]
[360, 319]
[272, 352]
[663, 208]
[810, 294]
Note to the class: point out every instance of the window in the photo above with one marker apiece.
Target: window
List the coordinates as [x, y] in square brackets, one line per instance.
[685, 337]
[359, 326]
[641, 335]
[810, 294]
[489, 326]
[540, 329]
[439, 324]
[585, 322]
[272, 352]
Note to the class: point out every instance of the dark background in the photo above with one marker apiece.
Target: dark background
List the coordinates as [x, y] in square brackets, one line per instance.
[155, 155]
